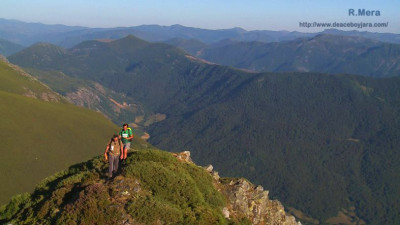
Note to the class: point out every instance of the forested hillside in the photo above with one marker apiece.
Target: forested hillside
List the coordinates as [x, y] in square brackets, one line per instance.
[322, 143]
[323, 53]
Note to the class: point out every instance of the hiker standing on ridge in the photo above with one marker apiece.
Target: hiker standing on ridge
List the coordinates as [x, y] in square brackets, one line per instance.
[126, 137]
[113, 152]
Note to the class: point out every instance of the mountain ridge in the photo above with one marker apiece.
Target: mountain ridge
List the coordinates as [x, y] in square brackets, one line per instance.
[67, 36]
[325, 53]
[153, 187]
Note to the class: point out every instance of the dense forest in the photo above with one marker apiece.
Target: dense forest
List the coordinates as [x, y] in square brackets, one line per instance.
[321, 143]
[318, 142]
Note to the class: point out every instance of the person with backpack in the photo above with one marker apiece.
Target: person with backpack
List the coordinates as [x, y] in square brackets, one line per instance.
[126, 137]
[113, 153]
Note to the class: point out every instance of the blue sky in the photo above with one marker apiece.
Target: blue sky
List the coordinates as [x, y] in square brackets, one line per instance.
[212, 14]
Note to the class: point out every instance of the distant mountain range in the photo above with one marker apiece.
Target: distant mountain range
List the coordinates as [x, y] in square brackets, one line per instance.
[323, 53]
[27, 34]
[311, 138]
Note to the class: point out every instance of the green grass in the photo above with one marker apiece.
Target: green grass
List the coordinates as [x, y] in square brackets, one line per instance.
[171, 192]
[58, 81]
[13, 82]
[38, 137]
[175, 185]
[42, 137]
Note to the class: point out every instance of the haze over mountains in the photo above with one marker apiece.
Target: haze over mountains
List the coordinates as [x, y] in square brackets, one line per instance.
[313, 138]
[8, 48]
[26, 34]
[363, 53]
[323, 53]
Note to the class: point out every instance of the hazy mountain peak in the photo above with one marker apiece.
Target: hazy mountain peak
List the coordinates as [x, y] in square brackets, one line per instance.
[239, 29]
[177, 26]
[130, 38]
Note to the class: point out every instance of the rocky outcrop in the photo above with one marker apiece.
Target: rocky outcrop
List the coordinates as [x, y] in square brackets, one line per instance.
[245, 200]
[183, 156]
[83, 97]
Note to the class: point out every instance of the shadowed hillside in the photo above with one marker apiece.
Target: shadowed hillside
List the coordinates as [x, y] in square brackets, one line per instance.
[8, 48]
[320, 142]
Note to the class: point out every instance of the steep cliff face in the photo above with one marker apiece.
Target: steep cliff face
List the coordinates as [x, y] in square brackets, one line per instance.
[153, 187]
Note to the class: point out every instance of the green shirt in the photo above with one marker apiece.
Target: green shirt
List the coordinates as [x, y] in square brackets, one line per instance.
[125, 134]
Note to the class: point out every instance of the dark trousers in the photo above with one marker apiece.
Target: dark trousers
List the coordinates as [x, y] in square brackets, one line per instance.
[113, 161]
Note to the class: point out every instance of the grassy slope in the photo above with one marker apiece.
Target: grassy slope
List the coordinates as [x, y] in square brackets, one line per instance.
[161, 189]
[39, 137]
[13, 81]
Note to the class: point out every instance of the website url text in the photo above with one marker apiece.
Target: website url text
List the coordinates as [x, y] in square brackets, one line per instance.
[358, 25]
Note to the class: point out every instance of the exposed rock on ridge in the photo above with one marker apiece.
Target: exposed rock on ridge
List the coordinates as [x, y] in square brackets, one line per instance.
[245, 200]
[153, 187]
